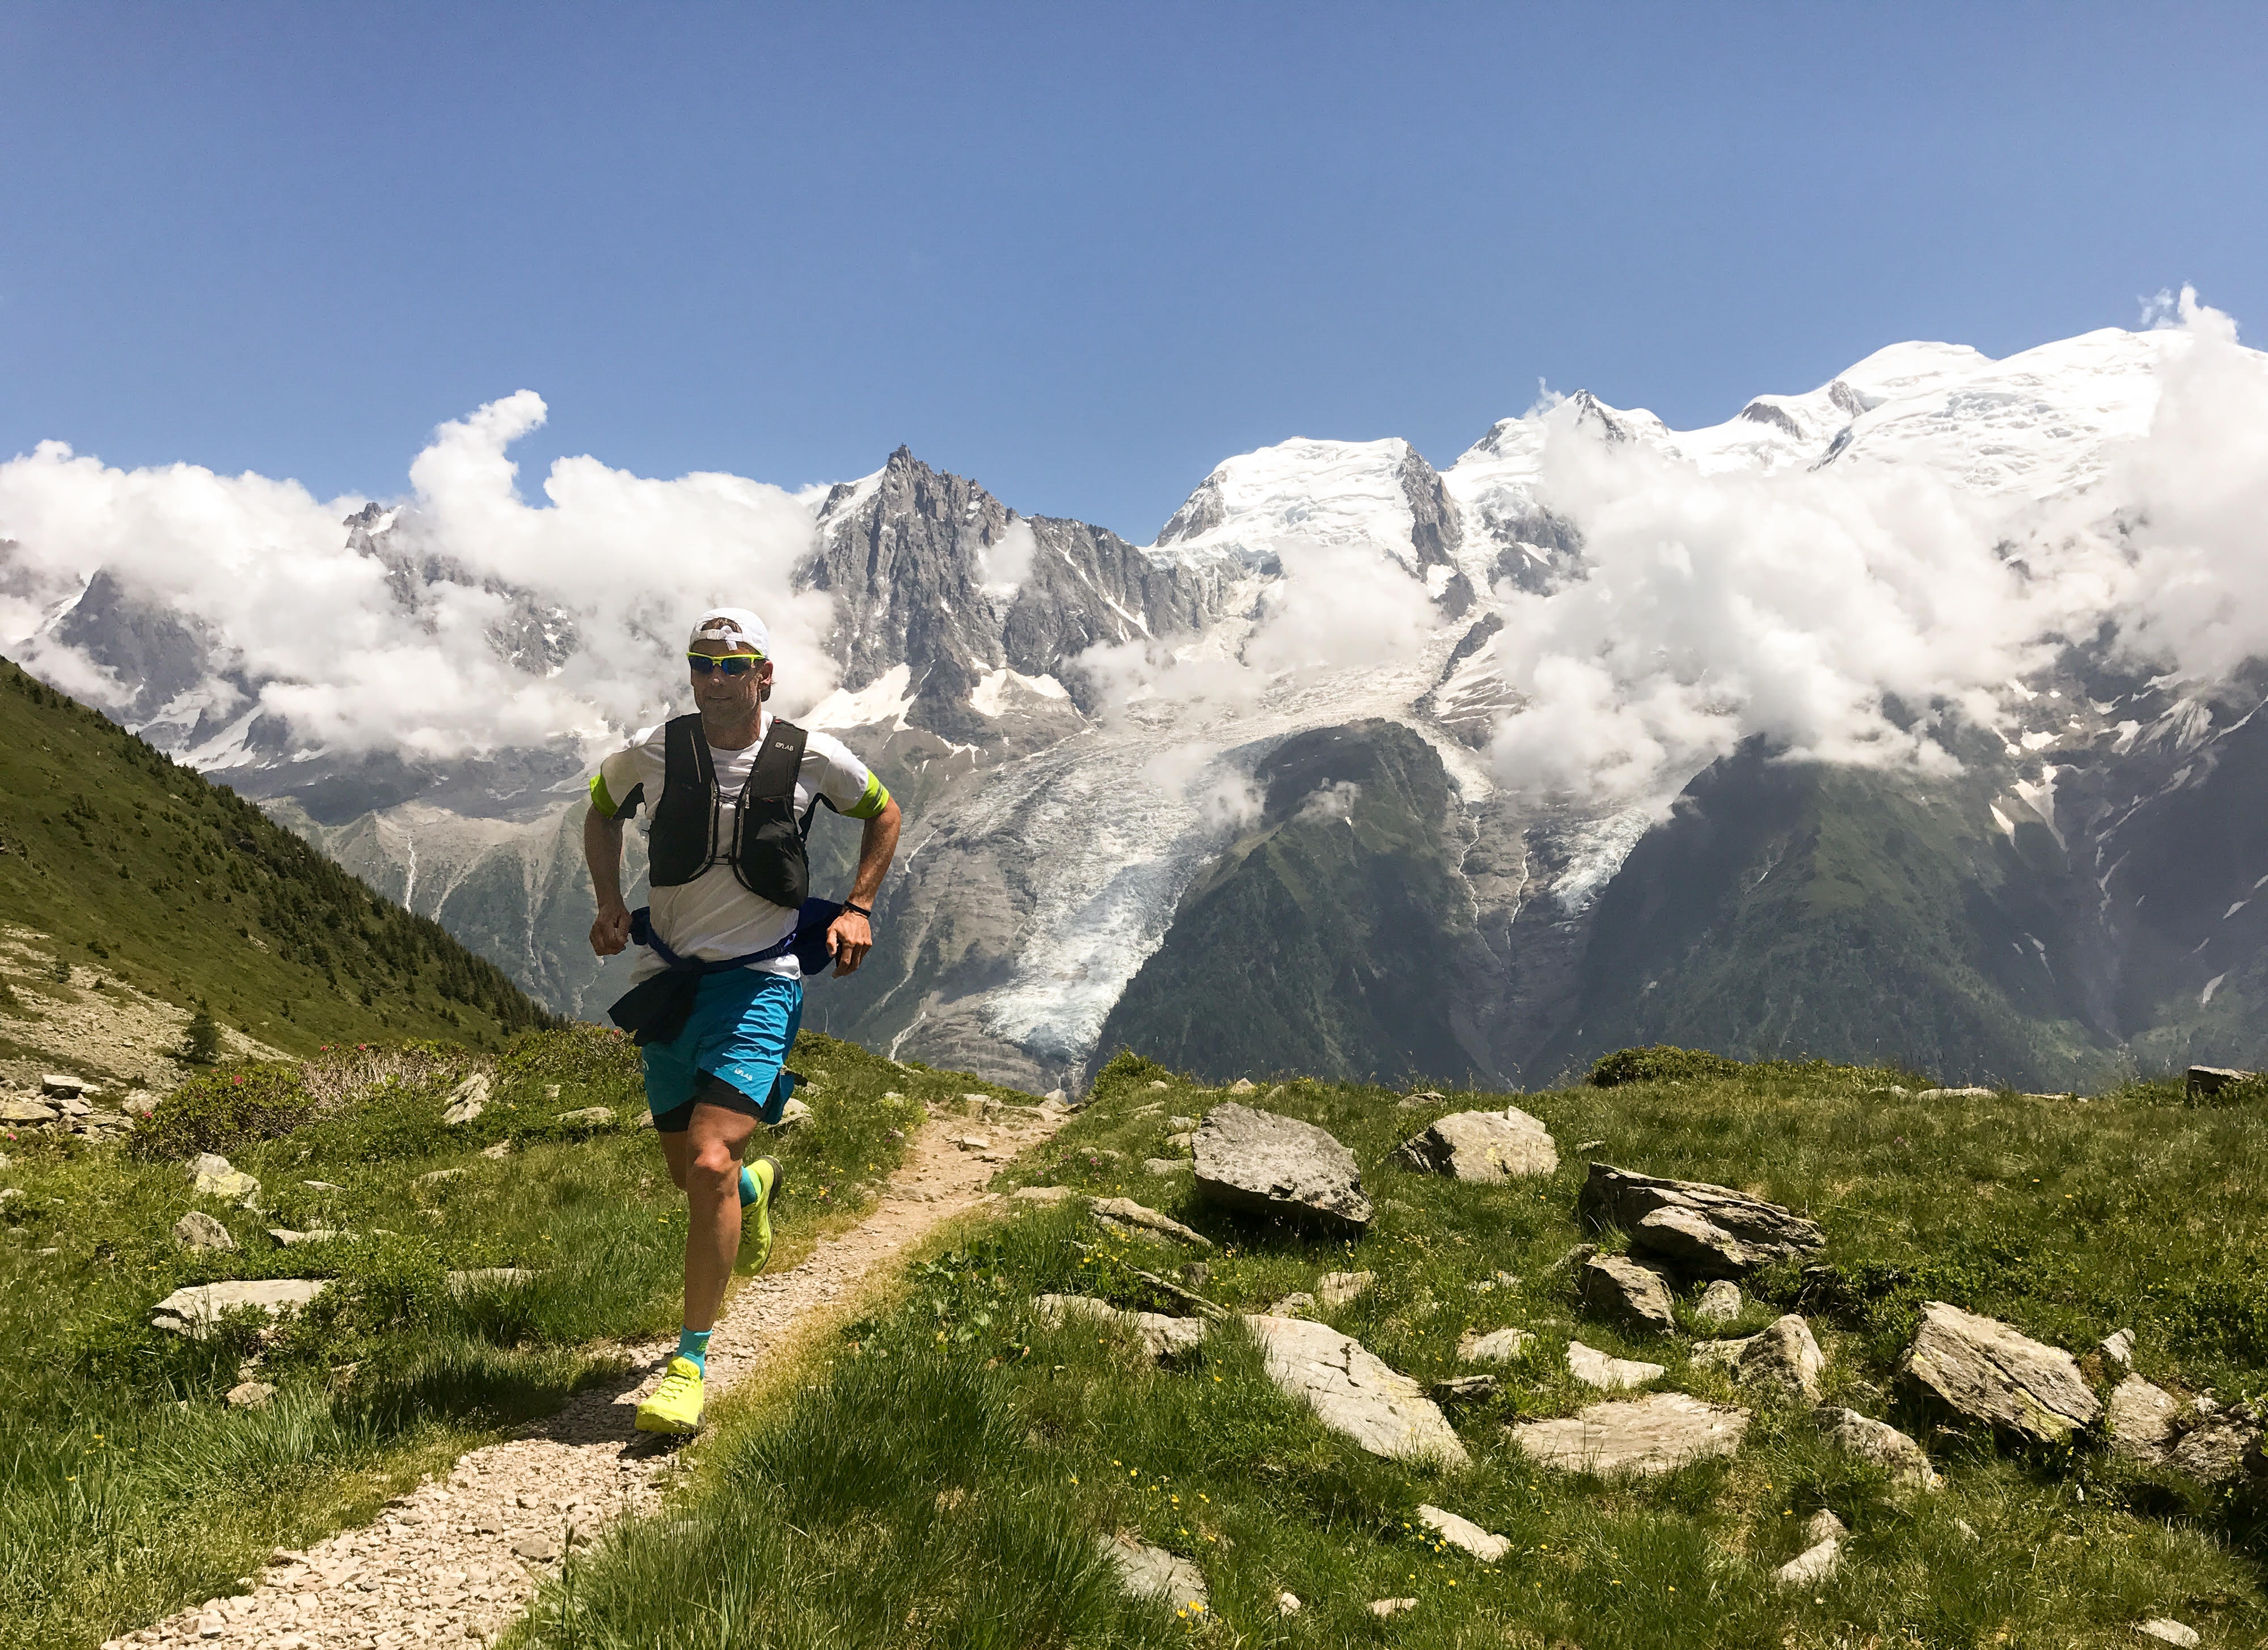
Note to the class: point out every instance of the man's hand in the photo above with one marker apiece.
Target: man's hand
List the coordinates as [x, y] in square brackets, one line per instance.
[612, 930]
[849, 938]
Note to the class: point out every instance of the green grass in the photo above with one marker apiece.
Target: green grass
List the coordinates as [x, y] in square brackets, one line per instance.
[132, 1490]
[143, 870]
[942, 1479]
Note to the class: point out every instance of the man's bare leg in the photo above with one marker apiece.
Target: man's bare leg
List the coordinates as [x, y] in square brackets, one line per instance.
[705, 1163]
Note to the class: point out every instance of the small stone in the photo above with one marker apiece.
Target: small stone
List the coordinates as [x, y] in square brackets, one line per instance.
[194, 1311]
[1337, 1288]
[1470, 1389]
[2118, 1349]
[1391, 1606]
[1719, 1302]
[1784, 1356]
[1155, 1082]
[1148, 1571]
[26, 1112]
[1594, 1367]
[1703, 1227]
[1503, 1345]
[1287, 1603]
[536, 1549]
[197, 1229]
[796, 1112]
[1884, 1445]
[318, 1234]
[971, 1143]
[1160, 1336]
[1132, 1214]
[467, 1100]
[1813, 1565]
[250, 1395]
[1354, 1393]
[588, 1118]
[1618, 1288]
[1043, 1194]
[1163, 1165]
[498, 1152]
[1242, 1086]
[1464, 1535]
[211, 1175]
[2166, 1630]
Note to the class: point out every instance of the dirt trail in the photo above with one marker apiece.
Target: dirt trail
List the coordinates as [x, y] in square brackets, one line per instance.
[456, 1560]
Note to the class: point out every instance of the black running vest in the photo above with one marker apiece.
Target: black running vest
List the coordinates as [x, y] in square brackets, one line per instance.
[764, 846]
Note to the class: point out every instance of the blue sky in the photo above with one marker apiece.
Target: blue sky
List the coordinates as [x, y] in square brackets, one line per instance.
[1080, 252]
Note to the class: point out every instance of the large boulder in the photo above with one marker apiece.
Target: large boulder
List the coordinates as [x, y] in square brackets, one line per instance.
[1647, 1435]
[2210, 1443]
[195, 1311]
[2207, 1081]
[1268, 1164]
[1707, 1230]
[1619, 1288]
[1882, 1444]
[1784, 1356]
[1487, 1147]
[1984, 1371]
[1354, 1393]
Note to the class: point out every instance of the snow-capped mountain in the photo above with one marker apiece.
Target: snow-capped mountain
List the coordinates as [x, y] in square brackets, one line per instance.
[1444, 771]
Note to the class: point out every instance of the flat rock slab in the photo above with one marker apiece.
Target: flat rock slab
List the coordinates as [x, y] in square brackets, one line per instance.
[1160, 1336]
[2166, 1630]
[64, 1086]
[1483, 1147]
[1148, 1571]
[1043, 1194]
[1882, 1444]
[1595, 1368]
[1464, 1535]
[1653, 1434]
[1126, 1209]
[1618, 1287]
[1984, 1371]
[1353, 1393]
[26, 1112]
[1265, 1163]
[1707, 1230]
[194, 1311]
[2205, 1081]
[1502, 1346]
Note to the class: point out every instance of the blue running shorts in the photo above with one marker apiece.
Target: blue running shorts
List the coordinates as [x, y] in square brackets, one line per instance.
[742, 1025]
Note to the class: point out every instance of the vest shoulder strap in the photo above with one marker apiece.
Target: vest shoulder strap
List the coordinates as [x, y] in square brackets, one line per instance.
[685, 755]
[777, 764]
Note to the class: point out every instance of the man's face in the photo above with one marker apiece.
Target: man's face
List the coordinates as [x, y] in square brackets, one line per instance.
[729, 695]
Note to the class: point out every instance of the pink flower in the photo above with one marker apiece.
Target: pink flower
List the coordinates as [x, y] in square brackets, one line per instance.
[240, 1079]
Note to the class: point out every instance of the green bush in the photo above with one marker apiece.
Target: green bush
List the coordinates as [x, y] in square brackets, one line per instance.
[200, 1040]
[1660, 1063]
[221, 1111]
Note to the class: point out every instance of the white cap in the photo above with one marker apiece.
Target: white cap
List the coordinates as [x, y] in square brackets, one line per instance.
[735, 627]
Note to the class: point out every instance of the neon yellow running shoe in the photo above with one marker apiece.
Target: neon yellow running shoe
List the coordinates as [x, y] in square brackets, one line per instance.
[769, 1174]
[675, 1405]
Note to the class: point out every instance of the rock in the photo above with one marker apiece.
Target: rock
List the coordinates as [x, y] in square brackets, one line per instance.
[1148, 1571]
[1196, 1274]
[320, 1185]
[1181, 1123]
[1483, 1147]
[1618, 1287]
[439, 1176]
[318, 1234]
[1182, 1142]
[64, 1087]
[250, 1395]
[1466, 1389]
[1970, 1093]
[1391, 1606]
[2118, 1349]
[2144, 1419]
[210, 1176]
[467, 1100]
[1813, 1565]
[796, 1112]
[1268, 1164]
[1422, 1098]
[1655, 1433]
[1162, 1165]
[2220, 1447]
[1464, 1535]
[1243, 1085]
[197, 1229]
[2166, 1630]
[1784, 1356]
[1056, 1097]
[1287, 1603]
[589, 1117]
[1296, 1305]
[1160, 1336]
[498, 1152]
[26, 1112]
[1501, 1345]
[536, 1549]
[1704, 1229]
[1719, 1302]
[1132, 1214]
[193, 1311]
[476, 1278]
[1354, 1393]
[1337, 1288]
[1984, 1371]
[1043, 1194]
[1594, 1367]
[2204, 1081]
[970, 1143]
[1882, 1444]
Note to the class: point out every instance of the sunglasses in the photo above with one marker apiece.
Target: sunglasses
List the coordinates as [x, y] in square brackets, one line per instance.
[731, 663]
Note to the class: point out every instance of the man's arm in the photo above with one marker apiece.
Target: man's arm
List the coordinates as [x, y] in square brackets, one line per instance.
[850, 937]
[602, 851]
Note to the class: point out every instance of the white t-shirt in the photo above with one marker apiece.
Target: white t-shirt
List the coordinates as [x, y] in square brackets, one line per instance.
[712, 917]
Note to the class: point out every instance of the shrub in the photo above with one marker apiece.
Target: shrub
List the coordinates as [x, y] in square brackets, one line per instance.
[1660, 1063]
[575, 1050]
[200, 1040]
[220, 1111]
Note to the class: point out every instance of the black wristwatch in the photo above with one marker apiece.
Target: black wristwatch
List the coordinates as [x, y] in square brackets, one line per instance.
[861, 910]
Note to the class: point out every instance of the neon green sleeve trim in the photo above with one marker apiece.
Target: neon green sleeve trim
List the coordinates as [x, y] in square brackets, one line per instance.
[600, 799]
[872, 803]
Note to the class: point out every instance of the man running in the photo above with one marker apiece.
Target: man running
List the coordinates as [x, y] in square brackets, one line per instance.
[731, 791]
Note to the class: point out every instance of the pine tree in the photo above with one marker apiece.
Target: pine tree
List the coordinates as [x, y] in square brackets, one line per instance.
[201, 1041]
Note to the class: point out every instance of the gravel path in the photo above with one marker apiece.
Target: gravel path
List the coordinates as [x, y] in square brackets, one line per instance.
[456, 1560]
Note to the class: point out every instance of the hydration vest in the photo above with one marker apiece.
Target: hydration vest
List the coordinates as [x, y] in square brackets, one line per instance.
[764, 843]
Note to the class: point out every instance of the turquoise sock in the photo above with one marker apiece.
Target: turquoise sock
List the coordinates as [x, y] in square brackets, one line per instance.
[694, 1344]
[748, 1193]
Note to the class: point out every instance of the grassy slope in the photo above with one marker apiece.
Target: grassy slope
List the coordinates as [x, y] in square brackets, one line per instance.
[942, 1483]
[143, 870]
[132, 1490]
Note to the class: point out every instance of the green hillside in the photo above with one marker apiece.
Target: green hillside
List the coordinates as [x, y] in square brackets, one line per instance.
[143, 871]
